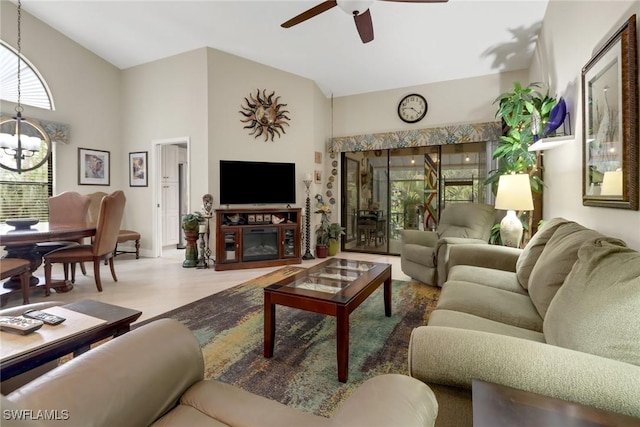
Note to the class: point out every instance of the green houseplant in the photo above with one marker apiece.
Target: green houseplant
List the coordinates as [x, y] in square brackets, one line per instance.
[322, 231]
[334, 231]
[191, 225]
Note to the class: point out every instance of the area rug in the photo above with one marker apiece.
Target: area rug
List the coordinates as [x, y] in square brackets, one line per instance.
[303, 370]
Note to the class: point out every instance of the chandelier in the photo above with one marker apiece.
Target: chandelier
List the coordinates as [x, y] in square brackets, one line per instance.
[24, 143]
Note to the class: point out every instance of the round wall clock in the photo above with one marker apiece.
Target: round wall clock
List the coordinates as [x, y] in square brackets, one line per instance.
[412, 108]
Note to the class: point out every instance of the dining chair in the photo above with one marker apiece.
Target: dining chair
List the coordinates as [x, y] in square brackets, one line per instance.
[10, 267]
[102, 246]
[66, 208]
[123, 235]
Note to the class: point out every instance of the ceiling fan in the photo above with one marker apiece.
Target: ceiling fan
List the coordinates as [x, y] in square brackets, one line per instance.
[359, 9]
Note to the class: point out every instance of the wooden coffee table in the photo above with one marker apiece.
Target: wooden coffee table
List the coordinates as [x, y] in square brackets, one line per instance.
[117, 321]
[334, 287]
[496, 405]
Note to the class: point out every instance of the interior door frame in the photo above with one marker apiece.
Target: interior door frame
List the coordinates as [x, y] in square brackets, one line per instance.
[156, 185]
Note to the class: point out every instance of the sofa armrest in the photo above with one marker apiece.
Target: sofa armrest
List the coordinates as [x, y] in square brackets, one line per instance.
[419, 237]
[488, 256]
[453, 357]
[389, 400]
[130, 380]
[442, 250]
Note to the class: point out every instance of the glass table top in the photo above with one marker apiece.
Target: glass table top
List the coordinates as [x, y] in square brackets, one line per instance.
[333, 277]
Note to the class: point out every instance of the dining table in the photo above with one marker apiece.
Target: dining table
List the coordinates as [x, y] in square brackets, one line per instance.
[22, 242]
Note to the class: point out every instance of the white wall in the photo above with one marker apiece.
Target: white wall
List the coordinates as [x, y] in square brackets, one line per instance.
[571, 33]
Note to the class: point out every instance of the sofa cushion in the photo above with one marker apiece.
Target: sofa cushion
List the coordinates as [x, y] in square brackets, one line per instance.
[596, 309]
[531, 252]
[420, 254]
[490, 303]
[500, 279]
[555, 263]
[460, 320]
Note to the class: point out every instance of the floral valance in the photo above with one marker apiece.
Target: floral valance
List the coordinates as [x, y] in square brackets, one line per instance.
[57, 132]
[453, 134]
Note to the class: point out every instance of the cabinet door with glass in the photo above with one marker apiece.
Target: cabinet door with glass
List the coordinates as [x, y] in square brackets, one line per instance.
[231, 245]
[289, 241]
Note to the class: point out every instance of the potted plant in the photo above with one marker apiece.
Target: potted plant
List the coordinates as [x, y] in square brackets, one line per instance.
[334, 231]
[322, 232]
[191, 226]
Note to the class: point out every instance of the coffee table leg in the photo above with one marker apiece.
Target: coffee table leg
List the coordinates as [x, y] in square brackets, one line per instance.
[342, 336]
[387, 297]
[269, 325]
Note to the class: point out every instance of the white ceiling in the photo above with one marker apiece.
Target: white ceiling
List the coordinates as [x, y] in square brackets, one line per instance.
[415, 43]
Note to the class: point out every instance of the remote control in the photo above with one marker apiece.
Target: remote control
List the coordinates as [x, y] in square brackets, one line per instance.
[47, 318]
[19, 325]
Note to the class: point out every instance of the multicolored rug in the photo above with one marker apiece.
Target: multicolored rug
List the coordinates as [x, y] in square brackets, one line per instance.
[302, 372]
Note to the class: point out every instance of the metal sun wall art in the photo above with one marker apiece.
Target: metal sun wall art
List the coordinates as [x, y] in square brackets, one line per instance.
[264, 115]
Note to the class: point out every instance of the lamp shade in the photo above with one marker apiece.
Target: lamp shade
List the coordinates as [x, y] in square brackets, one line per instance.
[612, 183]
[514, 193]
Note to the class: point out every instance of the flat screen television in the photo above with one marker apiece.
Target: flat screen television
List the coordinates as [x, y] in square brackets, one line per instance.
[245, 183]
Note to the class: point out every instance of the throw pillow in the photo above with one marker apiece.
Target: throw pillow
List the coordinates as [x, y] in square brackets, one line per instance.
[531, 252]
[596, 309]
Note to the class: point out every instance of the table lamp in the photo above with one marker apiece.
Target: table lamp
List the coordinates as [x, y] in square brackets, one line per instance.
[514, 193]
[611, 183]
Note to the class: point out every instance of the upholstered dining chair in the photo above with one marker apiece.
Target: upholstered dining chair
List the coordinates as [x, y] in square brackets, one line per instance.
[66, 208]
[123, 235]
[101, 248]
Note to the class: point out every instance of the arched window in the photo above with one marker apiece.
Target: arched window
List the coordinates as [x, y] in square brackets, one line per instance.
[24, 195]
[33, 89]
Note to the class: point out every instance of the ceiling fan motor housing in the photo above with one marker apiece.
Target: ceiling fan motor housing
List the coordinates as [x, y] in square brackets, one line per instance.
[354, 7]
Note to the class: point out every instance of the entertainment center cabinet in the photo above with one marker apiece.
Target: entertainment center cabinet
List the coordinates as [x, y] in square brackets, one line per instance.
[255, 238]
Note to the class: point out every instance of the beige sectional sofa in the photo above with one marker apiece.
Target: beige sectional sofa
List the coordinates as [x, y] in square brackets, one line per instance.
[154, 376]
[560, 317]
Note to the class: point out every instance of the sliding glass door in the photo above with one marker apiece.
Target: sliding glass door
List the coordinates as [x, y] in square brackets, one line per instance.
[387, 191]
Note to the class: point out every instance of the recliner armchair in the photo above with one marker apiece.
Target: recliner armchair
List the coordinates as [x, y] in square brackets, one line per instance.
[425, 254]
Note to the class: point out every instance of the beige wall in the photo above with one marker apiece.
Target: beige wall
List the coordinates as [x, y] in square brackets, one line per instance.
[86, 94]
[571, 33]
[198, 95]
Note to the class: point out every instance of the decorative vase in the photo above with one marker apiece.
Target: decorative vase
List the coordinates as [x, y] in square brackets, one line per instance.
[321, 251]
[334, 245]
[191, 250]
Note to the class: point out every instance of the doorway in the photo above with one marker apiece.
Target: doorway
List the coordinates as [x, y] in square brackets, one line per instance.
[171, 189]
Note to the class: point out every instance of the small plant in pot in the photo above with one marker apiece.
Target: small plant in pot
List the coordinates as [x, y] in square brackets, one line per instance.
[335, 230]
[191, 226]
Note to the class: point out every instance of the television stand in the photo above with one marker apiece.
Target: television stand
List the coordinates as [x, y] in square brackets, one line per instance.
[256, 238]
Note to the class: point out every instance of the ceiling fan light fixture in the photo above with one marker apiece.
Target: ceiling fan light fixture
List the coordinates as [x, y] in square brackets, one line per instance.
[354, 7]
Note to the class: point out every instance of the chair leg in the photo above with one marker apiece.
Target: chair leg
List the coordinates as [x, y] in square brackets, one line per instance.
[47, 278]
[82, 267]
[24, 283]
[96, 273]
[73, 272]
[137, 249]
[113, 270]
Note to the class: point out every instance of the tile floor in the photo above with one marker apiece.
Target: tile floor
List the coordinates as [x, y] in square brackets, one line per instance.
[157, 285]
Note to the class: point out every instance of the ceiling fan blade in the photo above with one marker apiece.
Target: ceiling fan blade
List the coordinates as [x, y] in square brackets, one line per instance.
[316, 10]
[419, 1]
[364, 26]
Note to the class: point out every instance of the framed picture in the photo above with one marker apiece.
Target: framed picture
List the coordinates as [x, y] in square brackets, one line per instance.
[138, 169]
[94, 167]
[251, 218]
[266, 217]
[258, 217]
[318, 157]
[610, 122]
[317, 177]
